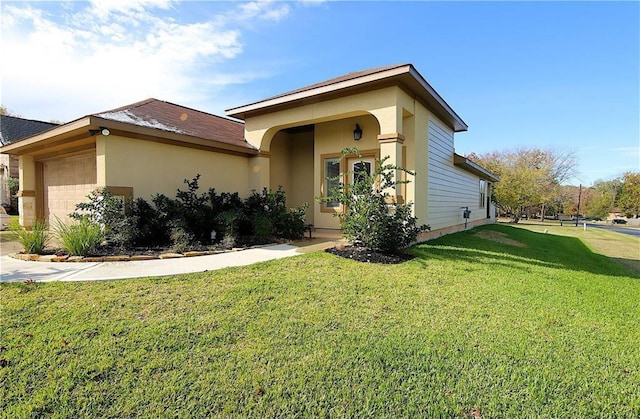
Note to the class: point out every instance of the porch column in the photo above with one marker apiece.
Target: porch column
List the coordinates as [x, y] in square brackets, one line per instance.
[259, 171]
[27, 192]
[391, 145]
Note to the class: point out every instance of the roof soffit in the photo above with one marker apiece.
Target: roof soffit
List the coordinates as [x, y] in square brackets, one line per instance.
[69, 134]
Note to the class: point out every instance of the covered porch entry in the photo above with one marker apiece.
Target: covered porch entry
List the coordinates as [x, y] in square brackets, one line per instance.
[304, 160]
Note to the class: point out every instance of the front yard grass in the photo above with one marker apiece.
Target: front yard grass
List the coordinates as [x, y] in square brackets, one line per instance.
[507, 323]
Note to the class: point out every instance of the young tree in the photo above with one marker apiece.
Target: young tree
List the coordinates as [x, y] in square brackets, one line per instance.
[371, 216]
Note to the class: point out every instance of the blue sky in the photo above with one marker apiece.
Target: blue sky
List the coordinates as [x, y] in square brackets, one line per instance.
[562, 75]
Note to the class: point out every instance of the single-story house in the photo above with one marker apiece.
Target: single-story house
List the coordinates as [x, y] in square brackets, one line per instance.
[12, 129]
[293, 140]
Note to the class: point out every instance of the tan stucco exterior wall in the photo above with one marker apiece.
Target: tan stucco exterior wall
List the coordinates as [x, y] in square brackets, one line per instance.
[259, 130]
[331, 138]
[291, 166]
[151, 167]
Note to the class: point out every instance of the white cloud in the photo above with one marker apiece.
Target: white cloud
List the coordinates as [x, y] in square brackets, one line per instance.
[85, 57]
[106, 7]
[266, 9]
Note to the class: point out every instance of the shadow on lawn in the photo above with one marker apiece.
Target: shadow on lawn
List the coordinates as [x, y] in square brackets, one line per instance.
[545, 250]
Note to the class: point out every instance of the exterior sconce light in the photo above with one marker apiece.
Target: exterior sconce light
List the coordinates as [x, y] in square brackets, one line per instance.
[357, 133]
[102, 131]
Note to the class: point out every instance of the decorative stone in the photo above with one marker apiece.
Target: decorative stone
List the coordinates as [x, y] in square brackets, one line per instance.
[171, 255]
[46, 258]
[143, 257]
[117, 258]
[195, 253]
[93, 259]
[75, 259]
[62, 258]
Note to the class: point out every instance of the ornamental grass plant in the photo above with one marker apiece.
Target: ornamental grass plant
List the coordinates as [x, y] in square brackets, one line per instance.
[80, 237]
[35, 239]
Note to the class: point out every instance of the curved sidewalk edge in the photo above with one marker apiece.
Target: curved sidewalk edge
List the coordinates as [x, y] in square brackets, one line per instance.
[13, 270]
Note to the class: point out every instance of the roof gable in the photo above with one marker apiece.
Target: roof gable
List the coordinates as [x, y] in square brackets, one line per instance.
[403, 75]
[13, 128]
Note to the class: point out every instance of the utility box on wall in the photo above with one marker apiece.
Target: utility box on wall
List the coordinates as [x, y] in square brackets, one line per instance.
[466, 213]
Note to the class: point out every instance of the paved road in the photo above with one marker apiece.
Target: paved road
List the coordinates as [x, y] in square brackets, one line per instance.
[632, 231]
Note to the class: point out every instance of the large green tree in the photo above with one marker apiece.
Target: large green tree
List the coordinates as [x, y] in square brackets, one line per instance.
[629, 198]
[601, 198]
[529, 177]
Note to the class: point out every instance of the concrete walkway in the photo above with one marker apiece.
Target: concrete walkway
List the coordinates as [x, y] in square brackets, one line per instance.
[13, 270]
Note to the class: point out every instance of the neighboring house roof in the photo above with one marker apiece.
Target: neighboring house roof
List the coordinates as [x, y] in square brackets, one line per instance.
[150, 119]
[403, 75]
[13, 128]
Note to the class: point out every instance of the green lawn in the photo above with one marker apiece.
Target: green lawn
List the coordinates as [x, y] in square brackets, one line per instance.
[537, 327]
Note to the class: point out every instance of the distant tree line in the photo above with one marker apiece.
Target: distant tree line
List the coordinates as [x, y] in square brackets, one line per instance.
[604, 197]
[532, 183]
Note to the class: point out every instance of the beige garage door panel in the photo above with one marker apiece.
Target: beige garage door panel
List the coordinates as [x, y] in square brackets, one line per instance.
[67, 182]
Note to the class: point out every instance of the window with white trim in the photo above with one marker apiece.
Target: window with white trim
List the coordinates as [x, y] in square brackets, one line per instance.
[330, 179]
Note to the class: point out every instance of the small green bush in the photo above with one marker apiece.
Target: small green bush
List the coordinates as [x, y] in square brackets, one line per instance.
[14, 185]
[106, 210]
[269, 216]
[180, 240]
[147, 225]
[80, 238]
[35, 239]
[197, 216]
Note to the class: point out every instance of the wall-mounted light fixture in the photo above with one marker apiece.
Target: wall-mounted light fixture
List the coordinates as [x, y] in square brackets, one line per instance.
[101, 130]
[357, 133]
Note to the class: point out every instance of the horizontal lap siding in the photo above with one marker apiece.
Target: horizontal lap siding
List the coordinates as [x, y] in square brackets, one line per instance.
[450, 187]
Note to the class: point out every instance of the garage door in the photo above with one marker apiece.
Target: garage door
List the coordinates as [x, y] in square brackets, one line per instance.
[66, 182]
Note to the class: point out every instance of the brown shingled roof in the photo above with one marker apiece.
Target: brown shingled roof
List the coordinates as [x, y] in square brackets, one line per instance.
[335, 80]
[404, 75]
[158, 114]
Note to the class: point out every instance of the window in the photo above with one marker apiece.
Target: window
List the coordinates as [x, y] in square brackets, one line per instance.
[360, 170]
[331, 179]
[483, 192]
[334, 169]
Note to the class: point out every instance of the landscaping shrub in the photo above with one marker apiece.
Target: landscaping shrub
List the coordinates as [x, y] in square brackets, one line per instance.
[372, 217]
[191, 219]
[181, 240]
[107, 211]
[34, 240]
[197, 216]
[269, 216]
[14, 185]
[230, 217]
[80, 238]
[147, 224]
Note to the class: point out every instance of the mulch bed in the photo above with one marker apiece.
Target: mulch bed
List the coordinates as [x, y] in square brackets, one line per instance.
[362, 254]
